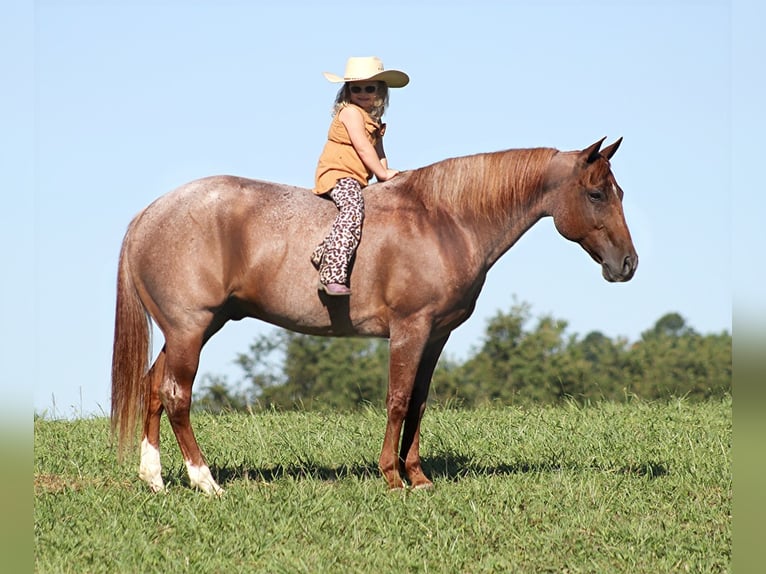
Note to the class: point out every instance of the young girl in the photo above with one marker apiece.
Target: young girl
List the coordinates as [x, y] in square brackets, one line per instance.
[352, 155]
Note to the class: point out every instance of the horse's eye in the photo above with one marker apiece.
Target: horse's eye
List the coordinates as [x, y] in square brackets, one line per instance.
[596, 195]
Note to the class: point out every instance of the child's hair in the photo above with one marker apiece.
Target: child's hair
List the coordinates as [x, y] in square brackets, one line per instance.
[381, 100]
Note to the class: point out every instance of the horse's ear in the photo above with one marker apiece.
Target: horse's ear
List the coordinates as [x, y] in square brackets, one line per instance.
[591, 153]
[608, 151]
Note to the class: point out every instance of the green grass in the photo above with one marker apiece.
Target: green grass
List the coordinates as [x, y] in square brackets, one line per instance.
[604, 488]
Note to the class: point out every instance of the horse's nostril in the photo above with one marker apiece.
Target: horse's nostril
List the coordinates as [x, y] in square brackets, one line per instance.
[629, 265]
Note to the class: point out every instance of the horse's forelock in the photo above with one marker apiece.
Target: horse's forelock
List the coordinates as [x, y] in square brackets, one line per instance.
[487, 185]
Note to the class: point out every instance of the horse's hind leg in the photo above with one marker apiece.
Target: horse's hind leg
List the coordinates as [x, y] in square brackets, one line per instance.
[150, 469]
[175, 392]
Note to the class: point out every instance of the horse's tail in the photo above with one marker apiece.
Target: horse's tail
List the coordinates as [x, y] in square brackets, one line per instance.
[130, 355]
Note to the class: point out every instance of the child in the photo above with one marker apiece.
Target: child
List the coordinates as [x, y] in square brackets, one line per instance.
[352, 155]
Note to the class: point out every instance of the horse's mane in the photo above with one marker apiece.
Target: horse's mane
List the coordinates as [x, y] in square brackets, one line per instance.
[488, 184]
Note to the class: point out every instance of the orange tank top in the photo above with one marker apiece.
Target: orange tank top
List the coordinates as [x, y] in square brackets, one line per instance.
[339, 158]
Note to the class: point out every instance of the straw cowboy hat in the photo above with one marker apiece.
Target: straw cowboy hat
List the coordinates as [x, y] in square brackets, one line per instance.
[371, 69]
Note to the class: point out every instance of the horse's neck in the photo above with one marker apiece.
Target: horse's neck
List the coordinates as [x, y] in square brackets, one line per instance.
[495, 237]
[498, 232]
[494, 197]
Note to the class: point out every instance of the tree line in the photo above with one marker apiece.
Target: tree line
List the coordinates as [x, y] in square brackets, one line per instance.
[519, 361]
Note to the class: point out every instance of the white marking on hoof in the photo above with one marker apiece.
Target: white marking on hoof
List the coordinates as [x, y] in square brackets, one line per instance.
[150, 469]
[200, 477]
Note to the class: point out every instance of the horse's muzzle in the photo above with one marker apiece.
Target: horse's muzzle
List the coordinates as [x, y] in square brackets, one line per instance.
[615, 274]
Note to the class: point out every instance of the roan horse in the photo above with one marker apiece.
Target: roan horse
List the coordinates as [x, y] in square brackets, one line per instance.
[224, 248]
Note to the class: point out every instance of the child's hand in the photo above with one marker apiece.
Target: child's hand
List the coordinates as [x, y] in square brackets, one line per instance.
[389, 174]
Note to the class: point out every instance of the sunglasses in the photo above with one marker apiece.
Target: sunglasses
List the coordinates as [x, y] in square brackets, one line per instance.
[367, 89]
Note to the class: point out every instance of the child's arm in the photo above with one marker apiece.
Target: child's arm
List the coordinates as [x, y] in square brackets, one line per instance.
[381, 153]
[354, 124]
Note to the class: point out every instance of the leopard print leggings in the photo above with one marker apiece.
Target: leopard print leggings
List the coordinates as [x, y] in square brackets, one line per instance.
[333, 255]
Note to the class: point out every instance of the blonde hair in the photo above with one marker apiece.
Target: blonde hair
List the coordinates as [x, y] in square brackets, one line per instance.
[381, 100]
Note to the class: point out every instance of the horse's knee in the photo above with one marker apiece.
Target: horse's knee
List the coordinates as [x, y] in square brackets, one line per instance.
[397, 404]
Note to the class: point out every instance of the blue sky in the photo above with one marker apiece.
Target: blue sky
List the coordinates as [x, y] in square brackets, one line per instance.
[119, 102]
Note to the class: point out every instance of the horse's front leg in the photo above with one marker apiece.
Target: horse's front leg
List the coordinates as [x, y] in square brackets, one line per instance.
[409, 455]
[405, 351]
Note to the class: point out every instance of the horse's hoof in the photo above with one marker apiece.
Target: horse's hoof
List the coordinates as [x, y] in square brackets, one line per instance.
[155, 488]
[396, 486]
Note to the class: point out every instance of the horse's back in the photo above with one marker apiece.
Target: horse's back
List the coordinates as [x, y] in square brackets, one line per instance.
[225, 196]
[241, 247]
[243, 200]
[234, 245]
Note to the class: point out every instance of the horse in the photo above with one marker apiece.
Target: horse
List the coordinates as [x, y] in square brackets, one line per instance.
[224, 248]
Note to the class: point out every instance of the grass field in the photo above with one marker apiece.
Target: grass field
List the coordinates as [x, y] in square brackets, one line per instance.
[604, 488]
